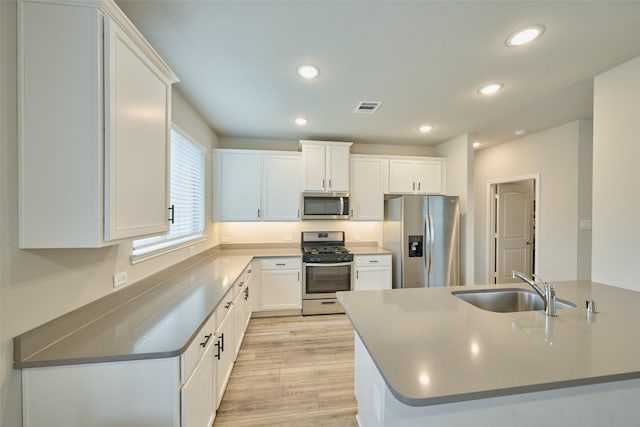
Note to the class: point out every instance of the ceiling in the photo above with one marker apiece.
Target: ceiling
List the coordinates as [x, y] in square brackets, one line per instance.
[424, 60]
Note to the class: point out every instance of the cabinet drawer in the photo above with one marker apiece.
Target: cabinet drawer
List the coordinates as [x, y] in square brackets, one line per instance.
[242, 280]
[372, 260]
[280, 263]
[224, 307]
[202, 342]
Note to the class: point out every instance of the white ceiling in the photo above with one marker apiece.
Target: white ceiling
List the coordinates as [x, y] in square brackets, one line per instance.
[423, 59]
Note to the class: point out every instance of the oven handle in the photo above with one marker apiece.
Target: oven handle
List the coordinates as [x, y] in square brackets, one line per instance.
[320, 264]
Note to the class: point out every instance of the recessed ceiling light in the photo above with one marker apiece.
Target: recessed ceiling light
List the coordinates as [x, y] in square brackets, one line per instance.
[490, 89]
[525, 35]
[520, 132]
[425, 128]
[476, 144]
[301, 121]
[308, 71]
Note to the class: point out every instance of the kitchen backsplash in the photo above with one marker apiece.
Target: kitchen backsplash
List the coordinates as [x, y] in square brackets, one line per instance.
[280, 232]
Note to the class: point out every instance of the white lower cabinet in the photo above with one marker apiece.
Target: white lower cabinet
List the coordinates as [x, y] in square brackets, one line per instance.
[281, 285]
[373, 272]
[225, 348]
[180, 391]
[197, 396]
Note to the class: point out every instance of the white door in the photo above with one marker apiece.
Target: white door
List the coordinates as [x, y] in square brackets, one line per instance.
[514, 229]
[337, 168]
[367, 196]
[281, 188]
[137, 139]
[240, 187]
[281, 290]
[429, 177]
[313, 160]
[402, 176]
[373, 278]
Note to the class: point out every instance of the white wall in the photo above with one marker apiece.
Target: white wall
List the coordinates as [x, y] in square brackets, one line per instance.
[39, 285]
[560, 156]
[616, 173]
[460, 165]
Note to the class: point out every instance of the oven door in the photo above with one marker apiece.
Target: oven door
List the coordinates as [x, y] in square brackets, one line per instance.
[322, 280]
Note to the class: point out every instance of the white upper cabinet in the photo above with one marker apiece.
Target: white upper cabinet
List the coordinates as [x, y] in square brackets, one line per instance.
[94, 135]
[326, 165]
[281, 187]
[366, 198]
[238, 186]
[415, 175]
[257, 185]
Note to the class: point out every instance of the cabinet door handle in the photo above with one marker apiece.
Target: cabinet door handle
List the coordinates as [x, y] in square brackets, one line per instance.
[172, 216]
[258, 213]
[322, 183]
[240, 284]
[414, 186]
[206, 340]
[229, 304]
[219, 348]
[329, 182]
[246, 294]
[222, 340]
[298, 276]
[298, 213]
[418, 186]
[357, 274]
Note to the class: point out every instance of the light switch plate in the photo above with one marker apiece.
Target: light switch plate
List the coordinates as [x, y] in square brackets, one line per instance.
[585, 224]
[119, 279]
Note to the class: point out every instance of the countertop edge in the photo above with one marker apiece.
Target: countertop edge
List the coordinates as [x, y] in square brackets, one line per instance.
[509, 391]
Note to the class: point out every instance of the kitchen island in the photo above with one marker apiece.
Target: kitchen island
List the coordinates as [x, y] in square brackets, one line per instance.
[426, 357]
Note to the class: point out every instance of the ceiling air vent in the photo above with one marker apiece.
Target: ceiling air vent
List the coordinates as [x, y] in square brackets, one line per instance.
[368, 107]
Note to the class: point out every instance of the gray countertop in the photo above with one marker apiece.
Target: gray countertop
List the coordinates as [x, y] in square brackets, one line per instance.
[159, 322]
[432, 347]
[157, 318]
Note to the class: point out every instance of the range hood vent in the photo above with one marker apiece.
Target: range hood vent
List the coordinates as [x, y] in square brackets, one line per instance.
[368, 107]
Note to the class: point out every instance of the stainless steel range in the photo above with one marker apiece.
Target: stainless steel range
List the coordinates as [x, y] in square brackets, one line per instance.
[327, 268]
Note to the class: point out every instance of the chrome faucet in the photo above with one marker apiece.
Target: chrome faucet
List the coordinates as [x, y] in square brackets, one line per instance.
[548, 295]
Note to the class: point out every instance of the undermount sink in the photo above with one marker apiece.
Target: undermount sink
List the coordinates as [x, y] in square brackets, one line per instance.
[507, 300]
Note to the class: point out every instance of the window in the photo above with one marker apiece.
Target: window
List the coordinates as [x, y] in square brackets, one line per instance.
[187, 198]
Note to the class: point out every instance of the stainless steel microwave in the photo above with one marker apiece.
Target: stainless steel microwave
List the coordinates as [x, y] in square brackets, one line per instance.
[325, 206]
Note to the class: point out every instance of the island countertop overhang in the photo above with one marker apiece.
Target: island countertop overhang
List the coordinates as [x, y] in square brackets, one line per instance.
[432, 347]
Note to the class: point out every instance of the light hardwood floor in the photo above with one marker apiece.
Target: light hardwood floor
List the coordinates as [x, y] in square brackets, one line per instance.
[292, 371]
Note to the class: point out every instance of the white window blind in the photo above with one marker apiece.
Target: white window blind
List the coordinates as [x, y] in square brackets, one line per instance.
[186, 194]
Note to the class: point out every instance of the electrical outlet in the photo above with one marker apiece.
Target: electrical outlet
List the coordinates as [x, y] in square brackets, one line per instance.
[288, 238]
[119, 279]
[225, 239]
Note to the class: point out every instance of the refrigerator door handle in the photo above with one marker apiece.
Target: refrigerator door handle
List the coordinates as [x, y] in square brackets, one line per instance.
[427, 243]
[430, 241]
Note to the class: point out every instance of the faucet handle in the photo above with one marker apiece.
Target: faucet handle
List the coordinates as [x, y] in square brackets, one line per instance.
[592, 306]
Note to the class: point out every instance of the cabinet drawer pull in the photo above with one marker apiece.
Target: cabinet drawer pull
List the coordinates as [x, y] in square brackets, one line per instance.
[220, 347]
[240, 284]
[206, 340]
[172, 217]
[228, 304]
[328, 302]
[373, 260]
[281, 264]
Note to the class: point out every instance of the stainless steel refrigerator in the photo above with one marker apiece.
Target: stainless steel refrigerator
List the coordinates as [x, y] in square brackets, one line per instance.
[423, 235]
